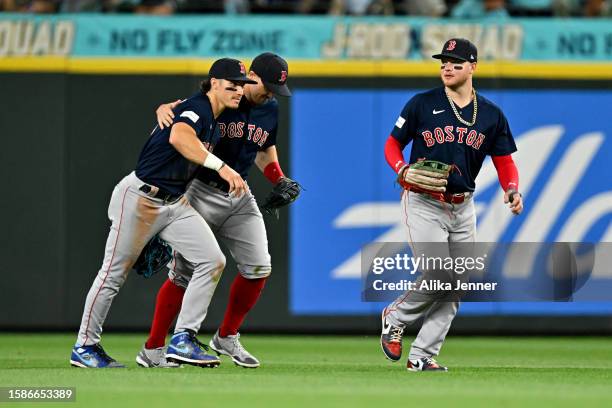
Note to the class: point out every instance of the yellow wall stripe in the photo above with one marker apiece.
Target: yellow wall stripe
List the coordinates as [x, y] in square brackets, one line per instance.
[316, 68]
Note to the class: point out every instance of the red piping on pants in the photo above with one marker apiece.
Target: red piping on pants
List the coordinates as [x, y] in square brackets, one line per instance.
[108, 269]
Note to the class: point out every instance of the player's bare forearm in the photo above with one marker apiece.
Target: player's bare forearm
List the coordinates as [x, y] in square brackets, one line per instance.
[184, 139]
[266, 157]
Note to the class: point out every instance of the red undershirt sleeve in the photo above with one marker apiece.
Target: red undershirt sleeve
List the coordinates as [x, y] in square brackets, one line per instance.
[506, 172]
[393, 154]
[273, 172]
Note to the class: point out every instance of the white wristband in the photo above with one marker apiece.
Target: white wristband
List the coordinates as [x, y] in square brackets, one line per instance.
[213, 162]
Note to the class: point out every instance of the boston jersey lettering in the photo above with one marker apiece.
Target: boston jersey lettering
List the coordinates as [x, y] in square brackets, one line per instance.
[428, 121]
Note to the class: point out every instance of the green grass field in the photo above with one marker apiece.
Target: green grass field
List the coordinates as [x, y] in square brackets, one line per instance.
[316, 371]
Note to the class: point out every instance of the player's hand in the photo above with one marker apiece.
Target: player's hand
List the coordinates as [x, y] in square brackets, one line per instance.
[426, 180]
[237, 185]
[165, 115]
[516, 204]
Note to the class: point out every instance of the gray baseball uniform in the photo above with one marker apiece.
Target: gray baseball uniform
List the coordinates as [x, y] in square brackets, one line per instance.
[238, 223]
[431, 221]
[437, 130]
[136, 217]
[151, 201]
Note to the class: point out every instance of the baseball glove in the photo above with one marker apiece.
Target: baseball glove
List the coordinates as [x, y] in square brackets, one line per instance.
[284, 192]
[428, 175]
[153, 258]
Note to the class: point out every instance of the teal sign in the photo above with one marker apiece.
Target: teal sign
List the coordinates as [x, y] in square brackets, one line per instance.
[300, 37]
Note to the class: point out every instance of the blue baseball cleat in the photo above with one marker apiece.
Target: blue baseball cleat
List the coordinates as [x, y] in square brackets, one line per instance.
[184, 348]
[92, 357]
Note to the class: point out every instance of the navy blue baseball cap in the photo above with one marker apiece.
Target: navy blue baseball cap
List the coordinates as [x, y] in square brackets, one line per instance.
[458, 48]
[273, 71]
[230, 69]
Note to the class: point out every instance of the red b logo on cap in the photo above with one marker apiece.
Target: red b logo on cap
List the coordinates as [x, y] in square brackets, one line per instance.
[451, 45]
[283, 77]
[242, 68]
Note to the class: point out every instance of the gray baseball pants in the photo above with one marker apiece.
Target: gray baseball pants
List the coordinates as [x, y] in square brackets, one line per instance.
[235, 221]
[136, 218]
[431, 221]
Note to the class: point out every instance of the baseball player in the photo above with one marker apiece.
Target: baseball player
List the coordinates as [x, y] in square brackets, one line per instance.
[248, 135]
[456, 125]
[151, 201]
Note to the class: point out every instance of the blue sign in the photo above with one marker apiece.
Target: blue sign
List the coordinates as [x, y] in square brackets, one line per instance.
[351, 199]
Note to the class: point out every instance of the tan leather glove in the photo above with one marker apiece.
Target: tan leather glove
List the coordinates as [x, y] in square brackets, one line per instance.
[429, 175]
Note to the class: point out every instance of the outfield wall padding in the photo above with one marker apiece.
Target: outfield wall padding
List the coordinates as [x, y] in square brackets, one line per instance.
[69, 138]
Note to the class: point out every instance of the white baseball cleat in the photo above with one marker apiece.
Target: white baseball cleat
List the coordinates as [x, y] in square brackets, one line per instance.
[425, 364]
[231, 346]
[154, 358]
